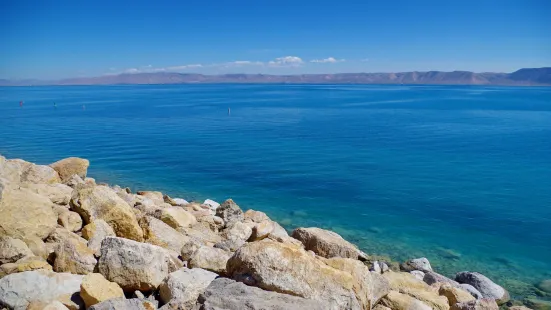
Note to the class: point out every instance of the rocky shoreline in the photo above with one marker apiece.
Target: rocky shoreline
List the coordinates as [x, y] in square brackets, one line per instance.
[67, 242]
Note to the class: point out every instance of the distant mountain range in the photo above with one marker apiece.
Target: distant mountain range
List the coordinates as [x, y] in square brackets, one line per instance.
[522, 77]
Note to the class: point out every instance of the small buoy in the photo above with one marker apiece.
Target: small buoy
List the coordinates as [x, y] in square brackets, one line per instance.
[21, 103]
[229, 111]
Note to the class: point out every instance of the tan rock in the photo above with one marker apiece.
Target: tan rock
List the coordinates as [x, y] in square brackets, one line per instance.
[152, 195]
[57, 193]
[408, 284]
[95, 289]
[75, 257]
[158, 233]
[38, 247]
[454, 295]
[26, 214]
[262, 230]
[25, 264]
[53, 305]
[381, 307]
[40, 174]
[177, 217]
[101, 202]
[289, 269]
[399, 301]
[479, 304]
[68, 219]
[12, 250]
[95, 232]
[68, 167]
[369, 287]
[255, 216]
[325, 243]
[201, 233]
[210, 258]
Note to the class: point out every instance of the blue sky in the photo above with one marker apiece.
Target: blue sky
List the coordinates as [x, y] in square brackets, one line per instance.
[55, 39]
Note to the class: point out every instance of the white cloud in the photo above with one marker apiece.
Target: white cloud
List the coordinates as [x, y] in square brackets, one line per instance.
[327, 60]
[239, 63]
[132, 70]
[287, 61]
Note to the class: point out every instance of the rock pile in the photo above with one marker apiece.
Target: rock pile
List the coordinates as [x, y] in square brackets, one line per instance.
[69, 243]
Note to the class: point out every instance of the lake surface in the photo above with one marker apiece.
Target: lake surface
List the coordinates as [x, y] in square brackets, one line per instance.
[459, 174]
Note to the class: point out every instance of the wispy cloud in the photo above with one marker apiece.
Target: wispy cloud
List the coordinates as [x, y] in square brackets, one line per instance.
[365, 60]
[240, 63]
[287, 61]
[327, 60]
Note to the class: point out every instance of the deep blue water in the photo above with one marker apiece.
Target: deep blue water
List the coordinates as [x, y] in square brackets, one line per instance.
[459, 174]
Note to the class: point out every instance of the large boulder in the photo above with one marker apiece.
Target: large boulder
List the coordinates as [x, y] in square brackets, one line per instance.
[325, 243]
[39, 174]
[95, 289]
[176, 217]
[369, 286]
[230, 212]
[158, 233]
[485, 286]
[226, 294]
[234, 237]
[12, 250]
[68, 167]
[101, 202]
[406, 283]
[210, 258]
[73, 256]
[124, 304]
[133, 265]
[185, 285]
[26, 214]
[95, 232]
[57, 193]
[480, 304]
[19, 289]
[432, 277]
[398, 301]
[421, 264]
[289, 269]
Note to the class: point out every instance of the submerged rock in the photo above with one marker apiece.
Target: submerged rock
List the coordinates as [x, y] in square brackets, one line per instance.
[325, 243]
[545, 285]
[484, 285]
[226, 294]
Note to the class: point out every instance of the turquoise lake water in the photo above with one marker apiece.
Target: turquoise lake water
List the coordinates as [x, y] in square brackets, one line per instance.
[459, 174]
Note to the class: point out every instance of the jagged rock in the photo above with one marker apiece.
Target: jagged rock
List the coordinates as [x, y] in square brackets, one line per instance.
[255, 216]
[25, 214]
[209, 258]
[57, 193]
[154, 195]
[479, 304]
[68, 167]
[39, 174]
[406, 283]
[201, 233]
[472, 290]
[185, 285]
[264, 262]
[381, 307]
[432, 277]
[124, 304]
[158, 233]
[52, 305]
[214, 223]
[189, 248]
[95, 232]
[418, 274]
[27, 263]
[60, 234]
[101, 202]
[177, 217]
[68, 219]
[19, 289]
[213, 205]
[226, 294]
[398, 301]
[38, 247]
[369, 287]
[262, 230]
[454, 294]
[75, 257]
[421, 264]
[133, 265]
[325, 243]
[95, 289]
[12, 250]
[485, 286]
[234, 237]
[230, 212]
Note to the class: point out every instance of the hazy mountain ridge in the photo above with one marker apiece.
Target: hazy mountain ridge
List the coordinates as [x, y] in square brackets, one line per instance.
[522, 77]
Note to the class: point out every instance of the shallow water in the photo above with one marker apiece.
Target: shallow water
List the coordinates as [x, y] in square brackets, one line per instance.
[459, 174]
